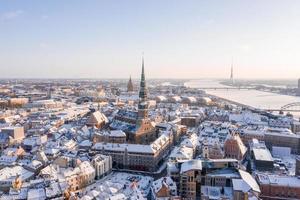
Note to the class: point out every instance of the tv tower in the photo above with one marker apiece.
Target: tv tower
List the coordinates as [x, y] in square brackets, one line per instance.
[231, 74]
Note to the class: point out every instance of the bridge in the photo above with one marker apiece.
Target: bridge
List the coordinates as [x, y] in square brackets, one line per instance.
[226, 88]
[291, 107]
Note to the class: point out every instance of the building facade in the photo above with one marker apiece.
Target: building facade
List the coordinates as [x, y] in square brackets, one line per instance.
[102, 165]
[137, 156]
[234, 147]
[80, 176]
[278, 187]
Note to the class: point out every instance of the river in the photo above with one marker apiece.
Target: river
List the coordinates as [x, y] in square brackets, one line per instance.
[253, 98]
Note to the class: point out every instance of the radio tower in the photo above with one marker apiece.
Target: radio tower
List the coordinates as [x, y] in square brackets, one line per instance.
[231, 74]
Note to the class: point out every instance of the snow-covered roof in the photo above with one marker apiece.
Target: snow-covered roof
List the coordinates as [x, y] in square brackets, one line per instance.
[114, 133]
[36, 194]
[135, 148]
[120, 186]
[191, 165]
[249, 180]
[240, 185]
[262, 154]
[181, 153]
[166, 181]
[273, 179]
[9, 173]
[99, 117]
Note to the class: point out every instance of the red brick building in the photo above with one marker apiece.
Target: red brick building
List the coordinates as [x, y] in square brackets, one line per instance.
[234, 147]
[278, 187]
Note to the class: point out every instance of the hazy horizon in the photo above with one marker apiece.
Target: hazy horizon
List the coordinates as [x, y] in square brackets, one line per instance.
[180, 39]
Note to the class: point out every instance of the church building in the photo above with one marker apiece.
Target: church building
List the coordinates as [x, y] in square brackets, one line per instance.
[130, 85]
[138, 127]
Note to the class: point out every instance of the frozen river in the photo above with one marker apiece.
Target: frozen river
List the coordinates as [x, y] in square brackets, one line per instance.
[253, 98]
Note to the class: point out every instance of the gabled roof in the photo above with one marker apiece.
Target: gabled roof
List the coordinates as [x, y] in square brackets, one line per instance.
[249, 180]
[99, 117]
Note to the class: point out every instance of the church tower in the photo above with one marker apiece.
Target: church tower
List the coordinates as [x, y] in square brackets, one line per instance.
[143, 104]
[145, 131]
[141, 130]
[49, 92]
[130, 85]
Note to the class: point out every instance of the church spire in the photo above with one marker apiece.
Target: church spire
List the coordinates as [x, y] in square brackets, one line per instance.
[143, 70]
[143, 89]
[130, 85]
[143, 104]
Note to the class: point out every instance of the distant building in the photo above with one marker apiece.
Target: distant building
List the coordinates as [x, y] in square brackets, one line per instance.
[247, 135]
[246, 187]
[234, 147]
[190, 121]
[137, 156]
[175, 99]
[11, 135]
[17, 133]
[80, 176]
[181, 153]
[190, 176]
[213, 179]
[212, 151]
[97, 119]
[164, 188]
[262, 157]
[296, 127]
[17, 102]
[102, 165]
[189, 100]
[9, 174]
[160, 99]
[297, 169]
[112, 136]
[63, 161]
[46, 104]
[280, 123]
[130, 85]
[282, 138]
[278, 187]
[34, 194]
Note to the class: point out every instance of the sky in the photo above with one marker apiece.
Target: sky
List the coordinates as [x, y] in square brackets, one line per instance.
[179, 38]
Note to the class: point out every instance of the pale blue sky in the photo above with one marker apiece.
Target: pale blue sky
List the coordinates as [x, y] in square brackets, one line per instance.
[180, 38]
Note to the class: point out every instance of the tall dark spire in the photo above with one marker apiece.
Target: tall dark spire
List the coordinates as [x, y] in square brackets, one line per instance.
[143, 104]
[143, 70]
[130, 85]
[49, 92]
[143, 89]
